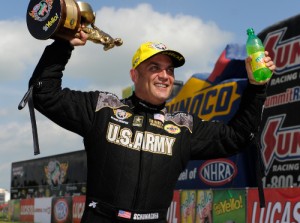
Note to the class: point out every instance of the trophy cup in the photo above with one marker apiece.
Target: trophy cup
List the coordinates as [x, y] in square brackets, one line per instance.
[60, 18]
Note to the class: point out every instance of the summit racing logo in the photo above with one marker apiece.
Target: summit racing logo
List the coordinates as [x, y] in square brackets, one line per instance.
[291, 95]
[279, 142]
[285, 53]
[206, 103]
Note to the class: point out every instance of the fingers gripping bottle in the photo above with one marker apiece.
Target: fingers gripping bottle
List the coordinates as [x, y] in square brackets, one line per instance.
[256, 50]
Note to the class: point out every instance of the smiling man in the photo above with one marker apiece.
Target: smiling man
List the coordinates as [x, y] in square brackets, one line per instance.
[135, 149]
[153, 72]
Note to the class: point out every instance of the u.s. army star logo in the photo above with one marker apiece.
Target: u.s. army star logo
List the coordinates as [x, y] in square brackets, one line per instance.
[138, 121]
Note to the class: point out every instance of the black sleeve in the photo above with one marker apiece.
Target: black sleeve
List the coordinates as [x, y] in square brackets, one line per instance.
[212, 139]
[72, 110]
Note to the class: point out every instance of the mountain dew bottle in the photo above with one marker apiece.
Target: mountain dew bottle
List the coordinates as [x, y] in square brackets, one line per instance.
[256, 50]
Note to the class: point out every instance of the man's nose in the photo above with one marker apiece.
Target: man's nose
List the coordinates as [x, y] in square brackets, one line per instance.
[163, 73]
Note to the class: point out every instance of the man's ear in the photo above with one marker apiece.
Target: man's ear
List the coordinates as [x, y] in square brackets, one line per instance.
[133, 75]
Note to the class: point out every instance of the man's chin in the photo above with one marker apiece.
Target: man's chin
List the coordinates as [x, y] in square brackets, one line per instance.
[164, 93]
[163, 98]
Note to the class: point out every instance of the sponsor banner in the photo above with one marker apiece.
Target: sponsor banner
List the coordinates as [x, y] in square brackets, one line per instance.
[27, 210]
[204, 206]
[61, 210]
[46, 177]
[78, 208]
[173, 215]
[208, 101]
[42, 210]
[280, 129]
[282, 205]
[188, 206]
[218, 173]
[14, 210]
[229, 206]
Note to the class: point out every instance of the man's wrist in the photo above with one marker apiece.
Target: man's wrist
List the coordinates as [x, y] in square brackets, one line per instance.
[62, 43]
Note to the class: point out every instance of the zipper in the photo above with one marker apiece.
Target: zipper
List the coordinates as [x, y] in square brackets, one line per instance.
[137, 188]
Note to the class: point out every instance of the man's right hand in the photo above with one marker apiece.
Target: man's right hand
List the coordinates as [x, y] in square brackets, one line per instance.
[79, 40]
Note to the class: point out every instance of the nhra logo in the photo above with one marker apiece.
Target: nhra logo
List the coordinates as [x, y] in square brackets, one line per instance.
[279, 142]
[206, 103]
[217, 172]
[285, 53]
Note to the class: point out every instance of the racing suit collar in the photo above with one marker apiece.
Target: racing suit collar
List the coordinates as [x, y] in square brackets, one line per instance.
[143, 105]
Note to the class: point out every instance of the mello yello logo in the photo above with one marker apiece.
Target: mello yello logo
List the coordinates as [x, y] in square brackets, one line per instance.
[206, 101]
[229, 205]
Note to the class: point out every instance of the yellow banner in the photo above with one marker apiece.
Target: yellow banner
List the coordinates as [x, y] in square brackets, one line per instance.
[205, 100]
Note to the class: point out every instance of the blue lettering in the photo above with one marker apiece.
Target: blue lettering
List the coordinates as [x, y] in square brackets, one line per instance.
[206, 108]
[196, 104]
[224, 99]
[184, 105]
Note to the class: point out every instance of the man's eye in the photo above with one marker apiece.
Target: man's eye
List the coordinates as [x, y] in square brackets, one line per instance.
[154, 68]
[170, 70]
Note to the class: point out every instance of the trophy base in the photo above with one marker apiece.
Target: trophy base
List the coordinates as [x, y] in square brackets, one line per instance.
[53, 18]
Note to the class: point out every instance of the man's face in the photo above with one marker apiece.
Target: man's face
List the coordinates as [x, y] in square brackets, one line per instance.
[154, 79]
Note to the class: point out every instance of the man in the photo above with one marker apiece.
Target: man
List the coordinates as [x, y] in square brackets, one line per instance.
[135, 148]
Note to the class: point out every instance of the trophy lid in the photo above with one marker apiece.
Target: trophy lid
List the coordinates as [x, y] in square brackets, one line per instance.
[43, 18]
[51, 18]
[87, 15]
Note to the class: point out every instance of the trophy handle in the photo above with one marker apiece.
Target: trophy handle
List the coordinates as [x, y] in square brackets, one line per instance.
[96, 35]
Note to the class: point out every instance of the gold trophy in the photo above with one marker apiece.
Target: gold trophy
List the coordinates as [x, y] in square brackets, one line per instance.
[58, 18]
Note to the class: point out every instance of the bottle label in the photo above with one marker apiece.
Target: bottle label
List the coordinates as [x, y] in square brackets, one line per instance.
[257, 61]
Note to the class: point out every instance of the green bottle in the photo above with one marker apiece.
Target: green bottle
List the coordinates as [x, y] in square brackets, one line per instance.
[256, 49]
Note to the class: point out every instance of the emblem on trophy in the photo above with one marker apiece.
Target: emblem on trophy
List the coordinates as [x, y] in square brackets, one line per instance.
[57, 18]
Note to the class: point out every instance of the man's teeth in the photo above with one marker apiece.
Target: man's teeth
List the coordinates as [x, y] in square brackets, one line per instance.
[161, 85]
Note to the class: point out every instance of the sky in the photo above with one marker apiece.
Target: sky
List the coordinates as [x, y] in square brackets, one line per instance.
[200, 30]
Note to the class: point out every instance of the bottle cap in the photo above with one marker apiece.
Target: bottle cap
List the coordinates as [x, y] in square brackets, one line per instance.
[250, 31]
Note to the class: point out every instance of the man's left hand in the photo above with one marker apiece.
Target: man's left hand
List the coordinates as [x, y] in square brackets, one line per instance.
[269, 64]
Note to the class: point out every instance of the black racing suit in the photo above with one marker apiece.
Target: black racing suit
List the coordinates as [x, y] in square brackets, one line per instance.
[135, 150]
